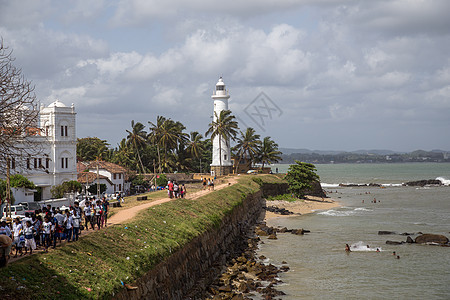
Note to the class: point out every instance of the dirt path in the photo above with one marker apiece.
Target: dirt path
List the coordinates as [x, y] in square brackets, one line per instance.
[129, 213]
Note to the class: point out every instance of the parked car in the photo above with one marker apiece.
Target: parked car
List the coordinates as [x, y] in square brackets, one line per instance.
[16, 211]
[30, 207]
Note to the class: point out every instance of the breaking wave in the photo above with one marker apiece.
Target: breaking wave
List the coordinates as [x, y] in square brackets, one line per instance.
[363, 247]
[343, 211]
[443, 180]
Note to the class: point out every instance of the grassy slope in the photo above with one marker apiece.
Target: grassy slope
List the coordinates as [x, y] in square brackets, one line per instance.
[94, 266]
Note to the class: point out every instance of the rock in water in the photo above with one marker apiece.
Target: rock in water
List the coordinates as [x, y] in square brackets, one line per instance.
[273, 236]
[382, 232]
[431, 238]
[393, 243]
[409, 240]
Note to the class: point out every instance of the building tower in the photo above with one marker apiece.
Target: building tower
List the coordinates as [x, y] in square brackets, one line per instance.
[58, 125]
[219, 166]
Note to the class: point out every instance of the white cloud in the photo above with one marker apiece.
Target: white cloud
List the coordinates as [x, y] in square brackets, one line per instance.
[356, 61]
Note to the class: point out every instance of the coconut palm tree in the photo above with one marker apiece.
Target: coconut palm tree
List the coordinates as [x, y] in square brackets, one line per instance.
[269, 152]
[195, 145]
[137, 138]
[154, 136]
[169, 135]
[123, 155]
[248, 146]
[225, 128]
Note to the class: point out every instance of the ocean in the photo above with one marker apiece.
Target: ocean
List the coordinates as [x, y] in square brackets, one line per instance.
[321, 269]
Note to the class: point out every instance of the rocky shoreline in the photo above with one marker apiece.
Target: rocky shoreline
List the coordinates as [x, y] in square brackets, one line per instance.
[247, 276]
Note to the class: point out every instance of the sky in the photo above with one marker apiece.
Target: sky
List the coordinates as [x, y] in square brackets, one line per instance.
[315, 74]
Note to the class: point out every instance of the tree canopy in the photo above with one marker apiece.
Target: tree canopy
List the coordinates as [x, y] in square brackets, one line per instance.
[300, 176]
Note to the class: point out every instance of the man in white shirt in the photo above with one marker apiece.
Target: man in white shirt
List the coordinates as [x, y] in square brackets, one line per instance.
[87, 215]
[68, 222]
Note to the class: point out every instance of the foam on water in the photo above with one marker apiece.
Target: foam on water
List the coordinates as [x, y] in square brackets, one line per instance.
[343, 211]
[443, 180]
[362, 209]
[363, 247]
[329, 185]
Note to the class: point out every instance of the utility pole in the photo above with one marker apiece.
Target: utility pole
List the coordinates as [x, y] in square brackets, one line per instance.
[154, 171]
[8, 187]
[98, 182]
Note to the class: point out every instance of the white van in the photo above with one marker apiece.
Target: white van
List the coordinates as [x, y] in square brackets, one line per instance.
[16, 211]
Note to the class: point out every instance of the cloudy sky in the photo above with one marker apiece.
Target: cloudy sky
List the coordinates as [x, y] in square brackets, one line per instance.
[317, 74]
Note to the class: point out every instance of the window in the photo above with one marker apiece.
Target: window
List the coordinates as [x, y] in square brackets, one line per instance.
[120, 176]
[47, 163]
[46, 130]
[120, 187]
[114, 176]
[220, 87]
[40, 162]
[63, 130]
[64, 162]
[224, 157]
[28, 164]
[13, 163]
[35, 163]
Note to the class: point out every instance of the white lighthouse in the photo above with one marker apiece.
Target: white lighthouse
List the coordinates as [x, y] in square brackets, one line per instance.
[220, 166]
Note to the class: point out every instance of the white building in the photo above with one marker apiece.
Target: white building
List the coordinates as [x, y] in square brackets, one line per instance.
[221, 155]
[114, 176]
[56, 143]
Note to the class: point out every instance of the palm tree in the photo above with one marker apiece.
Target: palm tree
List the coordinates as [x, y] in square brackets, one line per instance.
[169, 135]
[248, 146]
[123, 156]
[269, 152]
[195, 145]
[224, 127]
[155, 135]
[137, 138]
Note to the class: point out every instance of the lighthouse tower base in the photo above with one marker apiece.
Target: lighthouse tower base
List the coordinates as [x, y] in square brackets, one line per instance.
[221, 170]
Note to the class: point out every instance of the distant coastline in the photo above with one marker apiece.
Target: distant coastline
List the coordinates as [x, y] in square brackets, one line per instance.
[289, 156]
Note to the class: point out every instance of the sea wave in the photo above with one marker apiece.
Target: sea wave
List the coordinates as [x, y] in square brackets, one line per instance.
[362, 209]
[329, 185]
[343, 211]
[364, 247]
[392, 184]
[443, 180]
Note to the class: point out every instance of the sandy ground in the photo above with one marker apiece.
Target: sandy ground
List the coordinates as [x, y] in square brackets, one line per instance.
[129, 213]
[301, 207]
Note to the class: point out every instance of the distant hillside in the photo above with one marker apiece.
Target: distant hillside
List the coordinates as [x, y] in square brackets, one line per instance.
[363, 156]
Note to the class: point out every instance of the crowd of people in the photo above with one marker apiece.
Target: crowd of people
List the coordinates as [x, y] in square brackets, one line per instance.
[208, 183]
[43, 230]
[175, 190]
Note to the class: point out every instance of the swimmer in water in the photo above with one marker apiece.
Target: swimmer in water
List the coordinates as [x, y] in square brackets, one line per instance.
[347, 248]
[378, 250]
[398, 256]
[393, 253]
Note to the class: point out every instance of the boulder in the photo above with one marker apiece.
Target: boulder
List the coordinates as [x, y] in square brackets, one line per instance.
[431, 238]
[394, 243]
[424, 182]
[383, 232]
[298, 231]
[273, 236]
